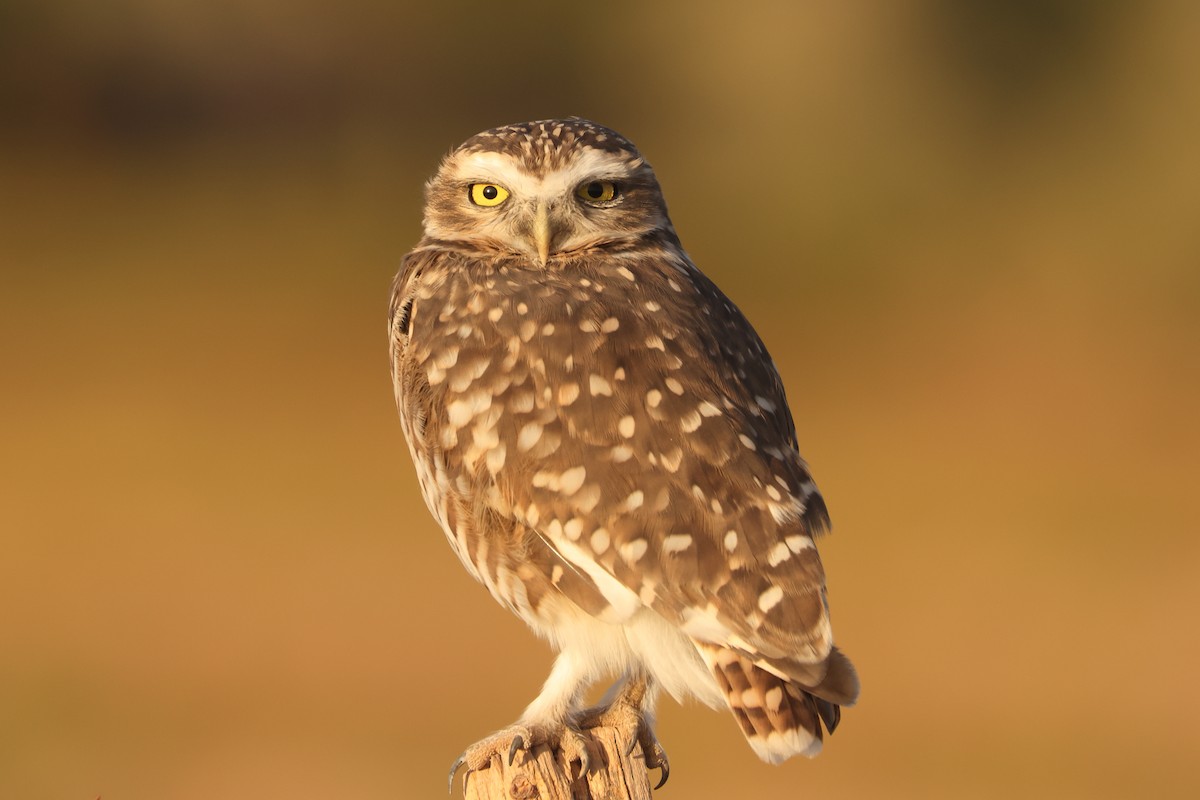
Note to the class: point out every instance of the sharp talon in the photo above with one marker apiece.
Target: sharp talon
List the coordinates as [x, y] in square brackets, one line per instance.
[450, 780]
[517, 743]
[666, 773]
[632, 744]
[585, 762]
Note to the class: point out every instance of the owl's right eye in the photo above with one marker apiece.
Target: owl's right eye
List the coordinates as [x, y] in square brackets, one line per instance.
[488, 194]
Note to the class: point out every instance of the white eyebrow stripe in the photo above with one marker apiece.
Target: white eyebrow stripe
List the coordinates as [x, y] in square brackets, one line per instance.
[494, 168]
[589, 164]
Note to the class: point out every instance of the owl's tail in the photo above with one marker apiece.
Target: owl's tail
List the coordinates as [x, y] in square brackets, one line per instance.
[781, 717]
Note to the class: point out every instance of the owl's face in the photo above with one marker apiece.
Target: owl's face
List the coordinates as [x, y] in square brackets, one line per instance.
[544, 190]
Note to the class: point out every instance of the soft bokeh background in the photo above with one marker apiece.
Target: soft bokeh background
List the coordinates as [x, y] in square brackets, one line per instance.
[969, 232]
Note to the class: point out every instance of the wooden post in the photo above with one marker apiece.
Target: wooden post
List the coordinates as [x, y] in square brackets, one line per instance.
[538, 775]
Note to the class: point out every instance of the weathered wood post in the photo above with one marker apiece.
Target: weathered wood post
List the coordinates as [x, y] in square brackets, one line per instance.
[538, 775]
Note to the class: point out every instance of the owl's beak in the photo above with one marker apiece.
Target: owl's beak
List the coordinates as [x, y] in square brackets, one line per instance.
[542, 233]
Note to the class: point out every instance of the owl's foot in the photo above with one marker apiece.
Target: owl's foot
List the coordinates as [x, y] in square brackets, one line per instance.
[631, 724]
[505, 744]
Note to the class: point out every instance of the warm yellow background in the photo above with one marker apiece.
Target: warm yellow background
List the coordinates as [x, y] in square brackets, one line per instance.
[969, 232]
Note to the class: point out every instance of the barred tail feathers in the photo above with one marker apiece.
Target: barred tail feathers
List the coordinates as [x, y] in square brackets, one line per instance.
[779, 717]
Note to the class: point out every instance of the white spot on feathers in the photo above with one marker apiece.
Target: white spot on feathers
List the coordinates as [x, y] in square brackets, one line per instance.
[621, 453]
[798, 543]
[677, 543]
[574, 528]
[572, 479]
[600, 541]
[633, 551]
[770, 598]
[626, 426]
[568, 393]
[529, 436]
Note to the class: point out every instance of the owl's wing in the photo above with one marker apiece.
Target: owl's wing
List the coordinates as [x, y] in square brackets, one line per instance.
[649, 443]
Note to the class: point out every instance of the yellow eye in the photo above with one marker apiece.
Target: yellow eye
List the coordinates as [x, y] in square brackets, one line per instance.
[597, 191]
[488, 194]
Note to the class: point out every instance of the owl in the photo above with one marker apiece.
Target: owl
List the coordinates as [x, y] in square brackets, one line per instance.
[605, 442]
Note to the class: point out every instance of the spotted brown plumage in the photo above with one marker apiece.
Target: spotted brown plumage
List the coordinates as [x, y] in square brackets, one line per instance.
[606, 444]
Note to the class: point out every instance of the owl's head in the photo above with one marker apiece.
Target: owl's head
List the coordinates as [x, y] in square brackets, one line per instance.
[543, 190]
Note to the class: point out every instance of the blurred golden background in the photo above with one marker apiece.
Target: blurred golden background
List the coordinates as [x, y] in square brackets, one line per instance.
[968, 231]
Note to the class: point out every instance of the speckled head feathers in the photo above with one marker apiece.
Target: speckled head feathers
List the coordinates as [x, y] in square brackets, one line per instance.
[551, 143]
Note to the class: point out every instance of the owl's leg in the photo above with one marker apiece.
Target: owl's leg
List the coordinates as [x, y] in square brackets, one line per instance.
[629, 707]
[549, 720]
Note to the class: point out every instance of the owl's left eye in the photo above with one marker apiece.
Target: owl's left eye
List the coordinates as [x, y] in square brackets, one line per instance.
[488, 194]
[597, 191]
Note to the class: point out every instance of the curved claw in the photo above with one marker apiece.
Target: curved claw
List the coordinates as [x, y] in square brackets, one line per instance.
[665, 773]
[458, 762]
[654, 756]
[518, 743]
[585, 762]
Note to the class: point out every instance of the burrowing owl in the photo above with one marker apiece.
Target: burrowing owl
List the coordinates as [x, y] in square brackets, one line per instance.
[605, 442]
